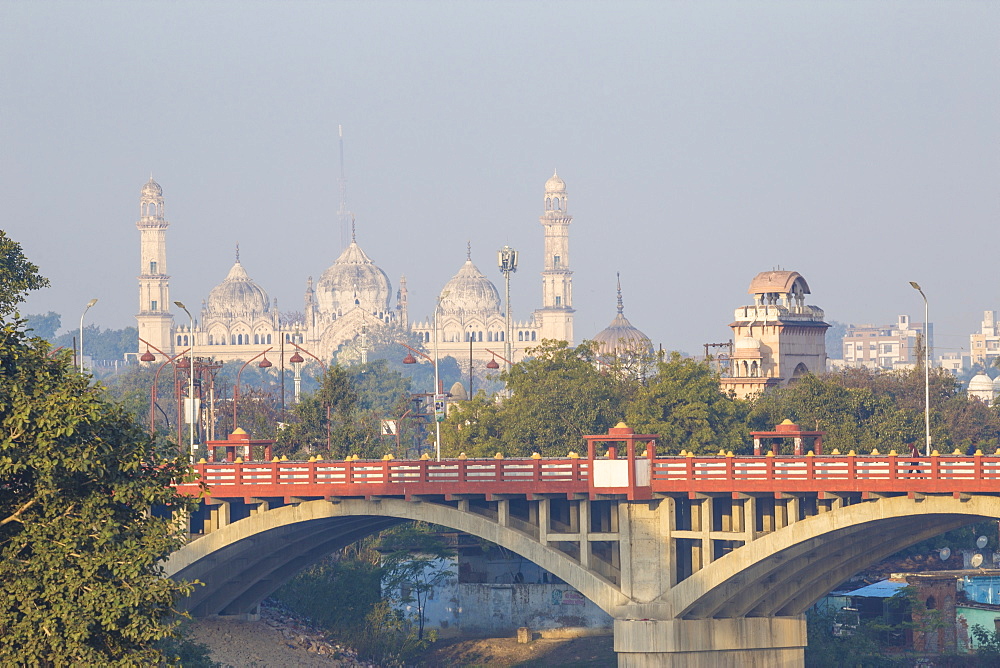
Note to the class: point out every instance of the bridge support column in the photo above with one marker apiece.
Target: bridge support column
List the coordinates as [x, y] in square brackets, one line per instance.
[745, 642]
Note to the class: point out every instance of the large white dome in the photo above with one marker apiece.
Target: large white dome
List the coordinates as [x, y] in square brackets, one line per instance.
[470, 292]
[237, 296]
[353, 280]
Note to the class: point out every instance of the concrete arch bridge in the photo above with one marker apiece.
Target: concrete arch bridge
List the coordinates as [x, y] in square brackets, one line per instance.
[701, 561]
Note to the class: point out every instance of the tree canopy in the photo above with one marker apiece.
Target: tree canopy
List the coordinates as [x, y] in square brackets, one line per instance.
[18, 276]
[79, 549]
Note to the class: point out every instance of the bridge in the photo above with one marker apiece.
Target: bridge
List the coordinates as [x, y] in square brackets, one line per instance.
[700, 560]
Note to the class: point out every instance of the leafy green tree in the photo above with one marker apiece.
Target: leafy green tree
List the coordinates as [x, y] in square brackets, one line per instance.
[18, 276]
[102, 344]
[475, 427]
[414, 566]
[44, 325]
[79, 549]
[682, 403]
[322, 416]
[557, 396]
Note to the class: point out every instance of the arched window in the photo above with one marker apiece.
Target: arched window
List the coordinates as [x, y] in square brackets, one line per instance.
[930, 603]
[268, 339]
[555, 202]
[548, 203]
[178, 339]
[256, 339]
[754, 369]
[503, 336]
[533, 336]
[211, 340]
[520, 336]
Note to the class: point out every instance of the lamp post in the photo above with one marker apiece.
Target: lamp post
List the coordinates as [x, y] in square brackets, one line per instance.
[438, 395]
[507, 258]
[89, 304]
[191, 412]
[236, 389]
[927, 372]
[298, 381]
[149, 357]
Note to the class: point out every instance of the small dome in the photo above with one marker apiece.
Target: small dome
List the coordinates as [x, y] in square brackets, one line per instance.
[238, 295]
[747, 343]
[152, 189]
[980, 383]
[620, 337]
[353, 280]
[996, 383]
[555, 184]
[469, 291]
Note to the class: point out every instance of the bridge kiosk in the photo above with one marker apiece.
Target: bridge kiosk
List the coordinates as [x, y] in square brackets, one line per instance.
[612, 474]
[789, 430]
[239, 444]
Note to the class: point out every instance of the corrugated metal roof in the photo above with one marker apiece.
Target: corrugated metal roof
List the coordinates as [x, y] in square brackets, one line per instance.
[883, 589]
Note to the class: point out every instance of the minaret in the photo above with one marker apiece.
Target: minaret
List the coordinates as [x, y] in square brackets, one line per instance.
[154, 318]
[556, 315]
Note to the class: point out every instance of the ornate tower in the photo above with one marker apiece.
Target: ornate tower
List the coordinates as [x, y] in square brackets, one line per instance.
[555, 318]
[154, 318]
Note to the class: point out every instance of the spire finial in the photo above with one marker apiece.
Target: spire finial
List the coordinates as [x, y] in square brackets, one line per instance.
[237, 252]
[354, 238]
[621, 309]
[468, 250]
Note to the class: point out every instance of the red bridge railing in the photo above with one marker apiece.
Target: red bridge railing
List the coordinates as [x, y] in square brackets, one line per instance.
[704, 474]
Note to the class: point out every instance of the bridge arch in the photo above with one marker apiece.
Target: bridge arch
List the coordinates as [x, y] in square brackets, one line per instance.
[785, 572]
[244, 562]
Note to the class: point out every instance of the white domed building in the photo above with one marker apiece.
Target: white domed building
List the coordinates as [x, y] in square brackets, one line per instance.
[983, 388]
[351, 297]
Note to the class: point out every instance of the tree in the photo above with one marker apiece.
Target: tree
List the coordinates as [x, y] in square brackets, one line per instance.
[18, 277]
[44, 325]
[102, 344]
[79, 549]
[414, 565]
[558, 396]
[682, 403]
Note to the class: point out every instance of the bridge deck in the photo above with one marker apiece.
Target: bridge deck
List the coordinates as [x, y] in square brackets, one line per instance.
[669, 475]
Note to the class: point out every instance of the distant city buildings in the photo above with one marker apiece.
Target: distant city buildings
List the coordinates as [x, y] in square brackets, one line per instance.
[884, 346]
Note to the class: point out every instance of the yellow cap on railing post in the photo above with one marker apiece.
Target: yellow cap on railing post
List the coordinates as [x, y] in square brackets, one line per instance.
[535, 455]
[498, 456]
[425, 457]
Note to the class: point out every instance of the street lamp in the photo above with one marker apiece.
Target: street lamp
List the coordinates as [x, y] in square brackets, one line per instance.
[298, 380]
[927, 372]
[89, 304]
[438, 395]
[236, 389]
[507, 258]
[191, 412]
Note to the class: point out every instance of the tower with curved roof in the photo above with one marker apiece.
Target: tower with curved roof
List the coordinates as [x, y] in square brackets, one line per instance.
[778, 338]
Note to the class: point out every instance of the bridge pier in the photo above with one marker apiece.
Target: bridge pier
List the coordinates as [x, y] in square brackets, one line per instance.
[745, 642]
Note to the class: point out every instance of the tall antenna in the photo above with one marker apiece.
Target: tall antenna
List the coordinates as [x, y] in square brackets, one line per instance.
[343, 215]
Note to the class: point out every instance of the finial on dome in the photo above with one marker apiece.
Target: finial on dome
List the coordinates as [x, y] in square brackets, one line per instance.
[621, 309]
[468, 250]
[353, 230]
[237, 252]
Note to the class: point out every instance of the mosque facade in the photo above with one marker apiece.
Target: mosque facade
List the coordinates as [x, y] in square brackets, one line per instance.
[352, 301]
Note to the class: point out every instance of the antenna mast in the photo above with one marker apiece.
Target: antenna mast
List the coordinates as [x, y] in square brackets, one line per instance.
[343, 215]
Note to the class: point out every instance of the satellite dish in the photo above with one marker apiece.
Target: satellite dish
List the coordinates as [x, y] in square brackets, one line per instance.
[944, 553]
[981, 542]
[977, 560]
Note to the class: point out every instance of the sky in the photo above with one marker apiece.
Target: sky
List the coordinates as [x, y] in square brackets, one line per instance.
[857, 143]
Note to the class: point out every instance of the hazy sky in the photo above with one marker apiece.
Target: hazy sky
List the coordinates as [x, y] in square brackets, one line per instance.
[701, 142]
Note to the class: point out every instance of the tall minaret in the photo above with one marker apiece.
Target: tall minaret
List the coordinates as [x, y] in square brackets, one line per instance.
[154, 317]
[556, 315]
